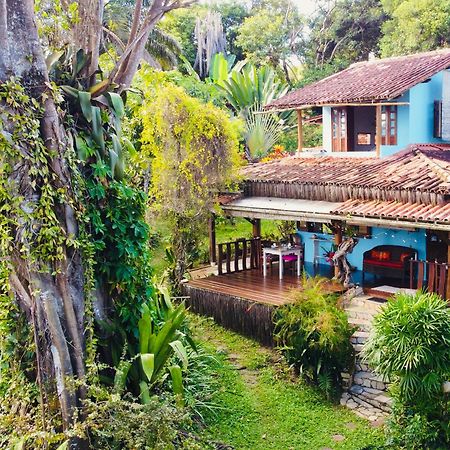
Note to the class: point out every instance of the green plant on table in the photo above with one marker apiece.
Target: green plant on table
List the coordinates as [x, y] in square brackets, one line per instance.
[314, 334]
[410, 346]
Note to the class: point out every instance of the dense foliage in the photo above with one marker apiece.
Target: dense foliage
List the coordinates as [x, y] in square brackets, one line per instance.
[193, 148]
[414, 26]
[314, 335]
[410, 347]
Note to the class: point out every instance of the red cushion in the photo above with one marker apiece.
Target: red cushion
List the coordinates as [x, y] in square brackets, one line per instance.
[289, 258]
[405, 256]
[377, 262]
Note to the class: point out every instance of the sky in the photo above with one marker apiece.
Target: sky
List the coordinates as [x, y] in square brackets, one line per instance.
[306, 7]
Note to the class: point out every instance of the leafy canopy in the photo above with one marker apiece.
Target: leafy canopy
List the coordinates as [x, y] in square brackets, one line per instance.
[415, 26]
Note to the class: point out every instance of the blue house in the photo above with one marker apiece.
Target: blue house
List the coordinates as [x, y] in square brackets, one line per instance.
[382, 176]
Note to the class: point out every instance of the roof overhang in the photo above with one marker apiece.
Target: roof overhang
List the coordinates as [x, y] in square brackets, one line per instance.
[282, 209]
[268, 109]
[315, 211]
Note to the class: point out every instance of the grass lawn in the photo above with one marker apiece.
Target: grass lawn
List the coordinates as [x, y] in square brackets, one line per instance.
[263, 406]
[226, 230]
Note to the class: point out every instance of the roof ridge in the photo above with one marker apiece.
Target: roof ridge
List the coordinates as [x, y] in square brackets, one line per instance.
[442, 172]
[402, 57]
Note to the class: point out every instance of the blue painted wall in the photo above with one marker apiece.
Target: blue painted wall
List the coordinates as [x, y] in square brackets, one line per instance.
[380, 236]
[415, 121]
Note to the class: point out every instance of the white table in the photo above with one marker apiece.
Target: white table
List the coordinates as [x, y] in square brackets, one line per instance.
[280, 252]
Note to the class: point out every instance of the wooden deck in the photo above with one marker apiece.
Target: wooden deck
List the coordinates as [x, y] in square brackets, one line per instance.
[251, 285]
[244, 301]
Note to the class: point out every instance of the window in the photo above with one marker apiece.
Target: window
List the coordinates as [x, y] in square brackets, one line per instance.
[437, 119]
[388, 125]
[339, 129]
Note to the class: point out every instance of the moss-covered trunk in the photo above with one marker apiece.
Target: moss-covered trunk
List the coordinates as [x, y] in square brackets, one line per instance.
[46, 272]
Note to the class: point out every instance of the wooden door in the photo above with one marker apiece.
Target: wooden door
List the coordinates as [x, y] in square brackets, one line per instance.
[339, 125]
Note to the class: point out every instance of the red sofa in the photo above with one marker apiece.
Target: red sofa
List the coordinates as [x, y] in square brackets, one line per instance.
[390, 261]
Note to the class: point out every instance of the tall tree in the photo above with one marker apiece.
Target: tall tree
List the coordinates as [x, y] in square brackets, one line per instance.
[41, 220]
[342, 32]
[272, 33]
[415, 25]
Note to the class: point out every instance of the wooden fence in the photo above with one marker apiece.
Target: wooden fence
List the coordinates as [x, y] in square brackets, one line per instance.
[430, 276]
[246, 251]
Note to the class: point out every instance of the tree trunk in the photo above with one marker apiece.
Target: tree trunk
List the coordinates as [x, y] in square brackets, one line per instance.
[87, 34]
[55, 302]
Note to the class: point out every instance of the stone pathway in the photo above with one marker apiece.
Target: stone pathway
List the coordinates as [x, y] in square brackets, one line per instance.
[366, 392]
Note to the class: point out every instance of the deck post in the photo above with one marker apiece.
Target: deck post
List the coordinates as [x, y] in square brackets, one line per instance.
[378, 130]
[256, 228]
[299, 131]
[337, 228]
[212, 238]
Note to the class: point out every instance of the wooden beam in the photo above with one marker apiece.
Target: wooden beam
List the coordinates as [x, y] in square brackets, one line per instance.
[321, 105]
[212, 238]
[299, 131]
[378, 131]
[272, 214]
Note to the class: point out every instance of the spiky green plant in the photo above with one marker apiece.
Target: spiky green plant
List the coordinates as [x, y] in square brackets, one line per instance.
[410, 346]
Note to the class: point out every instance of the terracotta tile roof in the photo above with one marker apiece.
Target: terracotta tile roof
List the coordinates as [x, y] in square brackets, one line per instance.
[396, 211]
[419, 174]
[227, 197]
[368, 81]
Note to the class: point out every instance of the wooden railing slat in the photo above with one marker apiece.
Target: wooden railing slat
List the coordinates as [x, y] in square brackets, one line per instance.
[220, 259]
[228, 260]
[420, 273]
[442, 277]
[236, 256]
[230, 253]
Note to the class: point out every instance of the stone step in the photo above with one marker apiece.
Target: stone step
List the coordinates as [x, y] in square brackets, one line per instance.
[358, 347]
[370, 380]
[360, 324]
[362, 408]
[359, 337]
[361, 366]
[366, 303]
[357, 312]
[368, 396]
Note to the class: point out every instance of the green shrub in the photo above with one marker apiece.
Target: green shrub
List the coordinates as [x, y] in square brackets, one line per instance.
[126, 423]
[410, 346]
[314, 334]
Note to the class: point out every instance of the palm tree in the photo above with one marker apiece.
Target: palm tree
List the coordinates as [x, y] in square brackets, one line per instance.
[162, 50]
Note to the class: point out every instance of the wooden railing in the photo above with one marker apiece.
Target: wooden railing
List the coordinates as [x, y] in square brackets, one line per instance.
[430, 276]
[245, 251]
